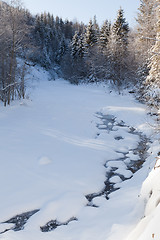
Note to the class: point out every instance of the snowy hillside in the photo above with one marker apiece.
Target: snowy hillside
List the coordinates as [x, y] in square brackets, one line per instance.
[71, 165]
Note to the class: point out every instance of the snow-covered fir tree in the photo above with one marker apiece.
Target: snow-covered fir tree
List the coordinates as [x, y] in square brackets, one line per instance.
[104, 36]
[145, 36]
[153, 79]
[146, 20]
[61, 50]
[81, 47]
[90, 35]
[75, 45]
[96, 28]
[120, 30]
[90, 40]
[154, 73]
[118, 48]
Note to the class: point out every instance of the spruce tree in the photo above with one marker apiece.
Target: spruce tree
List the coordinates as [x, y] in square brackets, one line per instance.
[119, 48]
[96, 28]
[90, 36]
[81, 48]
[154, 74]
[146, 34]
[104, 35]
[146, 21]
[120, 30]
[62, 49]
[90, 43]
[75, 45]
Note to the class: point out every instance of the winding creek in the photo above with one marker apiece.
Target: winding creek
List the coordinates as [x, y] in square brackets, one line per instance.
[119, 170]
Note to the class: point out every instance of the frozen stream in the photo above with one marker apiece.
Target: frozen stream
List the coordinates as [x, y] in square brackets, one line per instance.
[117, 171]
[122, 168]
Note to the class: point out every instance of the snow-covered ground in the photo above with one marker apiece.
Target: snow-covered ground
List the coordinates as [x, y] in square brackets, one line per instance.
[56, 150]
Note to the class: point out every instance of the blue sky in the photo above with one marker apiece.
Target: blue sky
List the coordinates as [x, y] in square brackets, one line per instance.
[84, 10]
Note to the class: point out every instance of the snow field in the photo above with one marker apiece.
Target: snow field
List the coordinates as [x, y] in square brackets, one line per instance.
[52, 157]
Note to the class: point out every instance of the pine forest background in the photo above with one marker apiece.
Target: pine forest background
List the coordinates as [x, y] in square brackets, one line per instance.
[113, 53]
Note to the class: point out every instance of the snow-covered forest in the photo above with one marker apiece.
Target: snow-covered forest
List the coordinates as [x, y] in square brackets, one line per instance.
[79, 126]
[112, 52]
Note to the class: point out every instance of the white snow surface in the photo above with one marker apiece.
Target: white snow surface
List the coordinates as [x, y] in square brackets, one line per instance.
[51, 157]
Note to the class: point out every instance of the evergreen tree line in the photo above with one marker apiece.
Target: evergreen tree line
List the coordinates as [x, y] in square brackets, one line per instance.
[52, 37]
[113, 52]
[148, 45]
[99, 53]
